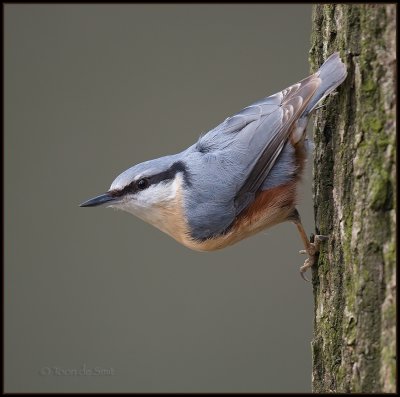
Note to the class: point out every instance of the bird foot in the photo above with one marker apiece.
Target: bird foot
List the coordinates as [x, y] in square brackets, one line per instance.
[312, 251]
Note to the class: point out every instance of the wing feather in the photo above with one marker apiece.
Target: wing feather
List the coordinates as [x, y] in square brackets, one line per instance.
[294, 100]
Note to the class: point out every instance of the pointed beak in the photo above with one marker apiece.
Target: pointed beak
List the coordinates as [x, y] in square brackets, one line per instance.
[99, 200]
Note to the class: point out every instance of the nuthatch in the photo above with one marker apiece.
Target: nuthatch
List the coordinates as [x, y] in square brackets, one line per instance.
[236, 180]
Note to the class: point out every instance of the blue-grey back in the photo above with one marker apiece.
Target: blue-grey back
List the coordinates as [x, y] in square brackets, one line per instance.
[220, 162]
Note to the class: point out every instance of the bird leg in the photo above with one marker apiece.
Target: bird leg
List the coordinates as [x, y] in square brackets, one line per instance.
[311, 245]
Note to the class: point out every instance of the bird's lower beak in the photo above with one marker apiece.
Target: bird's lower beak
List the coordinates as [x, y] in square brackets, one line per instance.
[99, 200]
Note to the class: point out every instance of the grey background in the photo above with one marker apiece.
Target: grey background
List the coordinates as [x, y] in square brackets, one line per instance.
[90, 90]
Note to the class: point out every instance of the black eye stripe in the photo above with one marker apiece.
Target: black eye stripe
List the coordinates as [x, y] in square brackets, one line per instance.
[154, 179]
[179, 166]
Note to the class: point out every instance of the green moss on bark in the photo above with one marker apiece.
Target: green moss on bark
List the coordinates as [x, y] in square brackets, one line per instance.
[354, 173]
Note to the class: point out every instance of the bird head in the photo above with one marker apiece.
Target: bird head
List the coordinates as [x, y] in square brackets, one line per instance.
[151, 191]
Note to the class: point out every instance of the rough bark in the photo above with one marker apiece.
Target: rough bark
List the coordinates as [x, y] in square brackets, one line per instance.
[354, 183]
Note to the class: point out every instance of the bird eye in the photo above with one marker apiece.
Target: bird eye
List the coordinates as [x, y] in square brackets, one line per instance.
[142, 184]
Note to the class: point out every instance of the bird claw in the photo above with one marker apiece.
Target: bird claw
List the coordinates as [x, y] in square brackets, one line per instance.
[311, 251]
[304, 268]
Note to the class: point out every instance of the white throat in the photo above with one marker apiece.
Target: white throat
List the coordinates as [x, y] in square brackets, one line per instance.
[158, 204]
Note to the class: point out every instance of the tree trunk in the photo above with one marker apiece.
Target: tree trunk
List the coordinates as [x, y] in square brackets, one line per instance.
[354, 183]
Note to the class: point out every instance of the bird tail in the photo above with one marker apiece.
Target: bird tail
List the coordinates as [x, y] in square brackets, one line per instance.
[332, 73]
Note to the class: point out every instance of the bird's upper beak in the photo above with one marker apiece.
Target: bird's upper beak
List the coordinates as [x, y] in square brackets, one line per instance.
[99, 200]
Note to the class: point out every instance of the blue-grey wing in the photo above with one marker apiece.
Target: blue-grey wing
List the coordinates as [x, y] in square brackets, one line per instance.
[294, 102]
[230, 163]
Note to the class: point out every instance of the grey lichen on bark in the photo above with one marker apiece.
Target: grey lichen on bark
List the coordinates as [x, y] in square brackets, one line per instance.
[354, 183]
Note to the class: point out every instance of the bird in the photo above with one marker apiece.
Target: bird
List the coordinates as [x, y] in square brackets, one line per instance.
[236, 180]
